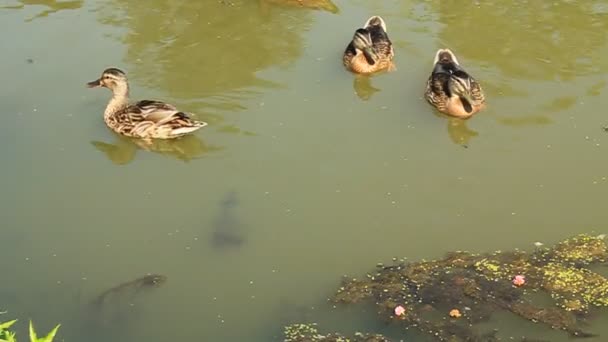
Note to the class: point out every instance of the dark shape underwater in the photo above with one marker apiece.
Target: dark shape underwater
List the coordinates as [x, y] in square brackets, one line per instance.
[227, 230]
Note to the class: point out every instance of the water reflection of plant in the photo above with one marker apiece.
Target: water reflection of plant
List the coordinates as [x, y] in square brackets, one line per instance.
[206, 51]
[532, 40]
[53, 5]
[325, 5]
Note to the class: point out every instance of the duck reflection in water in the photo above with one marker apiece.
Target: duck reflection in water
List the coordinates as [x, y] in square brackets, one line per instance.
[123, 151]
[459, 132]
[53, 5]
[227, 229]
[363, 87]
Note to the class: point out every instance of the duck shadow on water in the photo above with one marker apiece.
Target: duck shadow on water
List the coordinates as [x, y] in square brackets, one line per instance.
[53, 6]
[123, 151]
[228, 230]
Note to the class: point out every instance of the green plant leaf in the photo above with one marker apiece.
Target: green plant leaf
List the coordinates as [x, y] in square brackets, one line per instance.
[47, 338]
[51, 335]
[6, 325]
[33, 337]
[10, 336]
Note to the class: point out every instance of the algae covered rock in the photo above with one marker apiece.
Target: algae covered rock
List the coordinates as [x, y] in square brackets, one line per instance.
[448, 297]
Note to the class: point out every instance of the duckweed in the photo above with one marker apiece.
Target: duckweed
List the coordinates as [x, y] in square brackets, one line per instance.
[575, 288]
[309, 333]
[580, 250]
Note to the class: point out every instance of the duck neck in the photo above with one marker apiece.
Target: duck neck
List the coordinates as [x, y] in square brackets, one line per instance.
[119, 100]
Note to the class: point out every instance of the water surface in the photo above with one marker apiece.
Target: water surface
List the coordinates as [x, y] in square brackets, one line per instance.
[333, 172]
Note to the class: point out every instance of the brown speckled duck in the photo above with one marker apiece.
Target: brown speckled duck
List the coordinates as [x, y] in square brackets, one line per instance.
[451, 89]
[370, 49]
[146, 119]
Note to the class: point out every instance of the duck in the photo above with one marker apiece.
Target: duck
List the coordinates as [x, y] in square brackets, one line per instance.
[146, 119]
[451, 89]
[370, 50]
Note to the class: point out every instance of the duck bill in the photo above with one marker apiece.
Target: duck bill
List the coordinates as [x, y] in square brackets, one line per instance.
[94, 84]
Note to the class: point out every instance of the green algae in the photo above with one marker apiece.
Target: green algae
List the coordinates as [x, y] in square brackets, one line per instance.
[309, 333]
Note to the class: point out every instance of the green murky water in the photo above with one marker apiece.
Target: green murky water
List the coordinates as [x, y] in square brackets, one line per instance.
[330, 173]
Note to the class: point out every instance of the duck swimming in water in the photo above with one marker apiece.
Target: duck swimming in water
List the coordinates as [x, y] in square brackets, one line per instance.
[451, 89]
[146, 119]
[370, 50]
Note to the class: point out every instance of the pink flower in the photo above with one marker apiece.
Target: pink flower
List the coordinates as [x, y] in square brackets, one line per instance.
[399, 310]
[519, 280]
